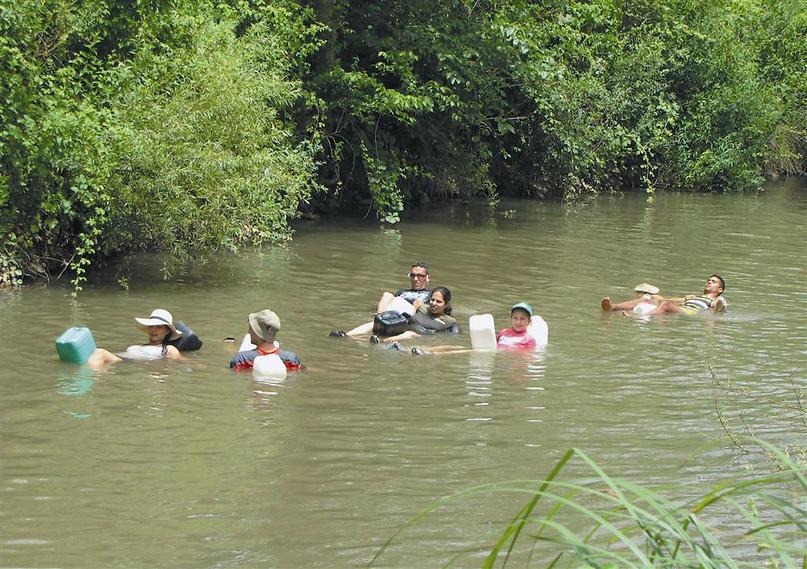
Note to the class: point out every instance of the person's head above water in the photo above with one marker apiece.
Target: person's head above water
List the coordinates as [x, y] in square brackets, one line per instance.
[159, 326]
[264, 326]
[714, 285]
[440, 301]
[521, 316]
[419, 275]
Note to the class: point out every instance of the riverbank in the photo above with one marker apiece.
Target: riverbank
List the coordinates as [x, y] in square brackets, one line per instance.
[198, 124]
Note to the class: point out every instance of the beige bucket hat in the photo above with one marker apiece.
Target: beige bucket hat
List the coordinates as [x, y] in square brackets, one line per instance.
[646, 288]
[265, 324]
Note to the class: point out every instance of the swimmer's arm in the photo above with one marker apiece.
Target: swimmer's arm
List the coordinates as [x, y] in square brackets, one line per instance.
[719, 305]
[171, 353]
[657, 298]
[677, 299]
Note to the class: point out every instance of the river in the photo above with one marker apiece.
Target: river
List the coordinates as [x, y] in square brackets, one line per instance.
[190, 465]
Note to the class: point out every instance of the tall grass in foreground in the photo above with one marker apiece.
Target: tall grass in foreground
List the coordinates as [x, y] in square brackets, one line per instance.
[615, 523]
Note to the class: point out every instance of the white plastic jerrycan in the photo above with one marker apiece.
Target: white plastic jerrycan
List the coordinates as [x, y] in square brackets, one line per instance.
[401, 306]
[270, 367]
[539, 330]
[246, 344]
[483, 333]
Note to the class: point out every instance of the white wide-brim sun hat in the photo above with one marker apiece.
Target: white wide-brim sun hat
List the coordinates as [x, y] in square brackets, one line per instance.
[160, 317]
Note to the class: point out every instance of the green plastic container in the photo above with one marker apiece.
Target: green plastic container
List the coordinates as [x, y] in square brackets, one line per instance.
[75, 345]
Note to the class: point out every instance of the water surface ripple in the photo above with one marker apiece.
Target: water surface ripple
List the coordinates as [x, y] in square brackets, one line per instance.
[190, 465]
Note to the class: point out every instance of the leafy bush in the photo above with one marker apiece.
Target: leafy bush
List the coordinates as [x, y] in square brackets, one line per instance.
[129, 126]
[561, 99]
[205, 157]
[55, 173]
[175, 124]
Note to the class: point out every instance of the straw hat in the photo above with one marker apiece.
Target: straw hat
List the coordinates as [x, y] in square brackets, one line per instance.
[160, 317]
[646, 288]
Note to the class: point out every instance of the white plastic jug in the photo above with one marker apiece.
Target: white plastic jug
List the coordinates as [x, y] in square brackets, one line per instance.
[401, 306]
[483, 333]
[246, 344]
[539, 330]
[270, 366]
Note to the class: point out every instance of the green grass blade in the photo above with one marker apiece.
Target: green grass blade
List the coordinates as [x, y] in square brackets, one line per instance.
[515, 530]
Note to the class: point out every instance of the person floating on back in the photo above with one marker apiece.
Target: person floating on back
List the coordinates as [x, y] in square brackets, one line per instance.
[262, 328]
[710, 301]
[418, 294]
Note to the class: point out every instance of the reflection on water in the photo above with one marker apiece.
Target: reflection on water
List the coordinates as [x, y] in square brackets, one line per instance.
[320, 469]
[76, 383]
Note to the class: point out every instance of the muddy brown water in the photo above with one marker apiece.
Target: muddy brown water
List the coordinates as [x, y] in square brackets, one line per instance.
[190, 465]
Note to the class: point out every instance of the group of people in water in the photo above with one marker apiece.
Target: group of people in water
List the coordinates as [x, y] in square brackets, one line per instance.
[428, 312]
[166, 340]
[431, 315]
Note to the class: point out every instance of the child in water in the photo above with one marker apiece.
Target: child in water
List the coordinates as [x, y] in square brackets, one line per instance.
[516, 337]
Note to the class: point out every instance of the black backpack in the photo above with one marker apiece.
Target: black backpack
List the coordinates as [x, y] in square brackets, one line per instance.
[389, 323]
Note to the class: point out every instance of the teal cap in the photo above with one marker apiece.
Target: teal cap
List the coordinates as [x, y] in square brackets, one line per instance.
[523, 306]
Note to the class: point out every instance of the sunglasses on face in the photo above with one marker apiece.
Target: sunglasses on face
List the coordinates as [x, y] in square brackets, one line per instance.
[418, 275]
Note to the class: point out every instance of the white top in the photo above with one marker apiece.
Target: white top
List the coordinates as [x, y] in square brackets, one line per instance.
[140, 352]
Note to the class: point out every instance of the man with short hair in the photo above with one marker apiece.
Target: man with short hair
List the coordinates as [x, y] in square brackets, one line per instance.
[418, 288]
[262, 329]
[711, 300]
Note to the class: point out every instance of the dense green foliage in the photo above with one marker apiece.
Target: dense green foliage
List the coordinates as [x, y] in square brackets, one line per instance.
[193, 123]
[564, 98]
[153, 125]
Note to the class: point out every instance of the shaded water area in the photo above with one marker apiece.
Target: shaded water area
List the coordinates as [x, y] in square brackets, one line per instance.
[190, 465]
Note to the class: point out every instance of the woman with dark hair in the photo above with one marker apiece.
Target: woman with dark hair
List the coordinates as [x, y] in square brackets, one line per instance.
[432, 318]
[161, 331]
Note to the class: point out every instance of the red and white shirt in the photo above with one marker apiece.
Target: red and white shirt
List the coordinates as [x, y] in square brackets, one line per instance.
[509, 339]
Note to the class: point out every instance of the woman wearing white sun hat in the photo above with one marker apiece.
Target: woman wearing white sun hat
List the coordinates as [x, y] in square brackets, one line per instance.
[159, 326]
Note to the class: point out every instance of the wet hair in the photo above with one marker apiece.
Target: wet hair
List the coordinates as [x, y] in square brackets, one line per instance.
[446, 297]
[166, 340]
[421, 264]
[722, 282]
